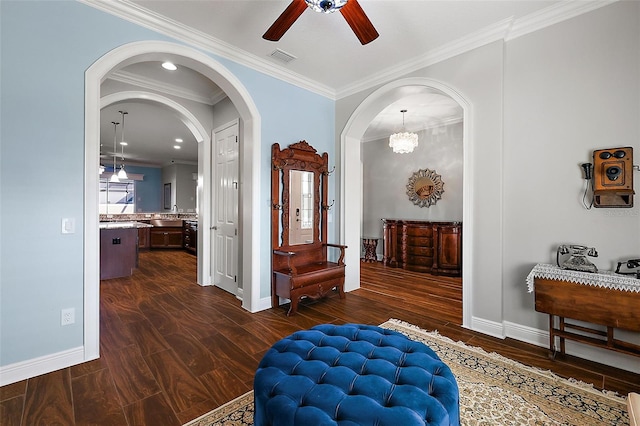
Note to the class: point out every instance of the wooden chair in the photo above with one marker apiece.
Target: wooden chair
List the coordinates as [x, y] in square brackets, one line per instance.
[299, 262]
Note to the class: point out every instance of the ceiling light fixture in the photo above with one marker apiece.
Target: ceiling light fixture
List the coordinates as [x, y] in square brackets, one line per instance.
[176, 146]
[170, 66]
[403, 142]
[122, 174]
[179, 140]
[114, 176]
[326, 6]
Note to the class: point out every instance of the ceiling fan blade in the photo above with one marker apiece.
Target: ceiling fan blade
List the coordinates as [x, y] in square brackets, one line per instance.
[358, 21]
[285, 20]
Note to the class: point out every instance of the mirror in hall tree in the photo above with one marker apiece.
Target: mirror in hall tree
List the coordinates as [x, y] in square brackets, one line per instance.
[425, 188]
[298, 177]
[301, 207]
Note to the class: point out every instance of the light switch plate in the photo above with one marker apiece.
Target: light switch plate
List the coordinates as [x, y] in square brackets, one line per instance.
[68, 225]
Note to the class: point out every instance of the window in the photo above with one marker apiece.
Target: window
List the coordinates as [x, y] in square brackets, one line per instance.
[117, 197]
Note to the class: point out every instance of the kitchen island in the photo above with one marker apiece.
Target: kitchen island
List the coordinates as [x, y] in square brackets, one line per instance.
[119, 248]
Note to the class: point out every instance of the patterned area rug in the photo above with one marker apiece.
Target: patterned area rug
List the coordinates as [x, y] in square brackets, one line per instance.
[494, 390]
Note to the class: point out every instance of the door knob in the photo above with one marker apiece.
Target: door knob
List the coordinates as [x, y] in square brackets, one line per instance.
[215, 228]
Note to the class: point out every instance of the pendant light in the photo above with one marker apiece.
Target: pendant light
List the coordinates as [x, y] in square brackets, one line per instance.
[403, 142]
[114, 176]
[122, 174]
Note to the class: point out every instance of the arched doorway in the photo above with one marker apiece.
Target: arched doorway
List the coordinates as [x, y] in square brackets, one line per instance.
[351, 179]
[249, 179]
[199, 133]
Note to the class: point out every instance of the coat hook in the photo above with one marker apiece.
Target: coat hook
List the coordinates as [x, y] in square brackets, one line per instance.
[277, 206]
[324, 206]
[327, 173]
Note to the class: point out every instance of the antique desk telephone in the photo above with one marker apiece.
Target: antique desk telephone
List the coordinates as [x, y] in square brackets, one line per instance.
[630, 264]
[577, 260]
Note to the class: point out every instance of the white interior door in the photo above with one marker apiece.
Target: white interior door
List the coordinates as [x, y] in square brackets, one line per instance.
[224, 232]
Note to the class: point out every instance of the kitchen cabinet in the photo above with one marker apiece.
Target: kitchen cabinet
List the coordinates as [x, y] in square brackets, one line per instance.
[143, 239]
[190, 237]
[166, 234]
[118, 252]
[422, 246]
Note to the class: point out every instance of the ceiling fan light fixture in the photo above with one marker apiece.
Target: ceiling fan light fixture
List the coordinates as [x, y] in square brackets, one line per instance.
[122, 174]
[326, 6]
[403, 142]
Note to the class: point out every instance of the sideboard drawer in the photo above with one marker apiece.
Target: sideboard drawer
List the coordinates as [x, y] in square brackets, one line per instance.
[420, 231]
[420, 251]
[417, 241]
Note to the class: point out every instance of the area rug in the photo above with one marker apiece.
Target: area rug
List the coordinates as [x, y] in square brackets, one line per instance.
[494, 390]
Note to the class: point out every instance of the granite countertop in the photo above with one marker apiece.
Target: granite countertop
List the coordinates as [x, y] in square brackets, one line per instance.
[123, 225]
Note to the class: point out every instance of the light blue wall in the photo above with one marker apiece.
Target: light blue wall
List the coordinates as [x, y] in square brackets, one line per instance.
[148, 190]
[46, 48]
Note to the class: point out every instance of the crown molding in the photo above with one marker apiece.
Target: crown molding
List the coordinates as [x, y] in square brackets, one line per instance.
[552, 15]
[165, 88]
[441, 123]
[146, 18]
[480, 38]
[505, 30]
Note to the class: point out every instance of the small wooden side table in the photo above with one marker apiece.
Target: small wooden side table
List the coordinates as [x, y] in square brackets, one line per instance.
[370, 245]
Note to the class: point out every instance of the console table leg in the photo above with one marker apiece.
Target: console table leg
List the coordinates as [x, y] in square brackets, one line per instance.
[562, 338]
[552, 338]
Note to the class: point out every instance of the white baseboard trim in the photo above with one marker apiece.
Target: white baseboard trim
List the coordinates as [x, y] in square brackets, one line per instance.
[538, 337]
[45, 364]
[492, 328]
[263, 304]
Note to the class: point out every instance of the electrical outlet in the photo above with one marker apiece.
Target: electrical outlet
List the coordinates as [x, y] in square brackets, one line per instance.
[67, 316]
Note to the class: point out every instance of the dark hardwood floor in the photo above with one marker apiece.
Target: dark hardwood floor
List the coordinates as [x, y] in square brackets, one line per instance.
[172, 350]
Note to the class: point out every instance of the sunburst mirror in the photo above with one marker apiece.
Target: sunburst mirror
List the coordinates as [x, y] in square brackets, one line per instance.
[425, 188]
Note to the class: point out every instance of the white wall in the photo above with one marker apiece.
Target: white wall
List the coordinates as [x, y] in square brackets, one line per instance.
[540, 104]
[569, 89]
[385, 177]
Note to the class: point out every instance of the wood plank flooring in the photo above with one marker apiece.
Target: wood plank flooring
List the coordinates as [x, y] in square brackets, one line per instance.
[172, 350]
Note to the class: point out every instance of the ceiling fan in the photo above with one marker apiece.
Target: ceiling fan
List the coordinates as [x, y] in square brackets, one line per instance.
[350, 10]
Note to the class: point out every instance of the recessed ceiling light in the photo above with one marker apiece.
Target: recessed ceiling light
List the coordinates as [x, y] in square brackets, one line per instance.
[169, 66]
[124, 143]
[178, 140]
[176, 146]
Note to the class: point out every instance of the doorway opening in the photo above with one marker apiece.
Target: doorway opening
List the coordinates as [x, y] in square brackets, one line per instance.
[351, 179]
[249, 165]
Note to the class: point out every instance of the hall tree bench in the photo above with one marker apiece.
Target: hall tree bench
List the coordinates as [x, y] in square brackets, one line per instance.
[300, 265]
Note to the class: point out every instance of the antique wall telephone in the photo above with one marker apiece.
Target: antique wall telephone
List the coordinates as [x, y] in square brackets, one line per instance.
[578, 258]
[611, 177]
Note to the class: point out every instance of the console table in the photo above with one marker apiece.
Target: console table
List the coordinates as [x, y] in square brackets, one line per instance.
[604, 298]
[423, 246]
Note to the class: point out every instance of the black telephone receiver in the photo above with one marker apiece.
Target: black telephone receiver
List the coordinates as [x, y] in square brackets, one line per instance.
[587, 167]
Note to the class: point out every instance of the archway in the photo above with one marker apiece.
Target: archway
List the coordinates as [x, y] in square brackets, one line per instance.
[351, 179]
[249, 179]
[202, 138]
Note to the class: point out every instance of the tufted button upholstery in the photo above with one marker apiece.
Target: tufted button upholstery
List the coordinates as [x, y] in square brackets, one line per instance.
[353, 374]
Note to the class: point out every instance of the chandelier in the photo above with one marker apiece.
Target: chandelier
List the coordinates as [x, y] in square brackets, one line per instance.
[403, 142]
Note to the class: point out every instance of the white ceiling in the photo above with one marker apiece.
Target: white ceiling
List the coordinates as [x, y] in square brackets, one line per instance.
[329, 58]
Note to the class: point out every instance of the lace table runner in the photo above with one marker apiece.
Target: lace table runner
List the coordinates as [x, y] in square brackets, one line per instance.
[606, 279]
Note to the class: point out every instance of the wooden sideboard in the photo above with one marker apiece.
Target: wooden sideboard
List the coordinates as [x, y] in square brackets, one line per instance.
[422, 246]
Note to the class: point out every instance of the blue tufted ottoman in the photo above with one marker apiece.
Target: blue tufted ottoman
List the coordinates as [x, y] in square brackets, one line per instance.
[353, 374]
